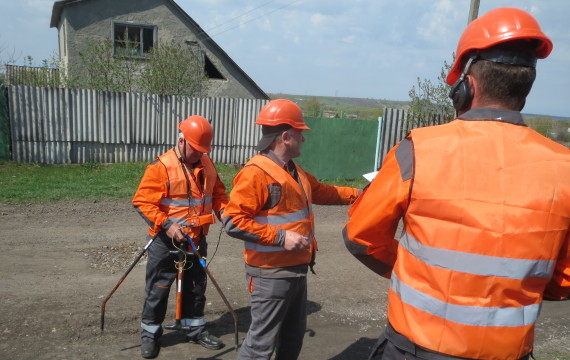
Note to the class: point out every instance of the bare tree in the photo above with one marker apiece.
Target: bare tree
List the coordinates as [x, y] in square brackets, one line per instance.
[430, 101]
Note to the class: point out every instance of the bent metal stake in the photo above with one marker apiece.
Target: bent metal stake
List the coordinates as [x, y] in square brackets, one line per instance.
[178, 325]
[139, 256]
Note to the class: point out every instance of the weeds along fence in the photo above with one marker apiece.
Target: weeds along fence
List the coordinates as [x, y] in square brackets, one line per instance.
[69, 126]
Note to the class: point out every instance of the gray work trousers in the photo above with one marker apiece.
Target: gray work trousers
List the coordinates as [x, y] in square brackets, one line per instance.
[278, 318]
[160, 274]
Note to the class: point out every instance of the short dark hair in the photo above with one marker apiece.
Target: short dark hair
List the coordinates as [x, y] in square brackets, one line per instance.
[504, 83]
[508, 85]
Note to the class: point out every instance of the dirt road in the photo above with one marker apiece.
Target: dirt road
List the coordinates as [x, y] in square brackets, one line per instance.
[59, 261]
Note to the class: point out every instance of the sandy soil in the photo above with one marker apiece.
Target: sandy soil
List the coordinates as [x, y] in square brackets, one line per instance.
[59, 261]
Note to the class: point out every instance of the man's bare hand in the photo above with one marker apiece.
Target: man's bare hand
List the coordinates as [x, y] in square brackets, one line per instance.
[175, 232]
[295, 241]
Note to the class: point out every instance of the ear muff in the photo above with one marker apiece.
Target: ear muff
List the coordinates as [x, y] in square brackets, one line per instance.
[460, 92]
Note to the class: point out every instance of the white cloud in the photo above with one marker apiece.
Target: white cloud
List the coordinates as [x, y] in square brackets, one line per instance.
[319, 19]
[434, 24]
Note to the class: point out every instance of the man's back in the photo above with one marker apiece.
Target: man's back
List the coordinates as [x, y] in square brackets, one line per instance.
[488, 213]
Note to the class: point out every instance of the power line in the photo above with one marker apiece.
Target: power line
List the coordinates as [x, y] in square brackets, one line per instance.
[237, 17]
[255, 18]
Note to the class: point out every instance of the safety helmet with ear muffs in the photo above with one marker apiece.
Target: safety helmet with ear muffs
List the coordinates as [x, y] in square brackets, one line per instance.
[494, 28]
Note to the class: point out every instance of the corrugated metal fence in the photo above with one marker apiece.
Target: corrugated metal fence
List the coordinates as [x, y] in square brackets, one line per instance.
[62, 126]
[30, 75]
[394, 126]
[68, 126]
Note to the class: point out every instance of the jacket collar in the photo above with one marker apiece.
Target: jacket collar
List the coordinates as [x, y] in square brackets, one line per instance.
[492, 114]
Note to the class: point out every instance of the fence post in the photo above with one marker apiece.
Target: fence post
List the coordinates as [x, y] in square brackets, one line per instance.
[4, 124]
[378, 143]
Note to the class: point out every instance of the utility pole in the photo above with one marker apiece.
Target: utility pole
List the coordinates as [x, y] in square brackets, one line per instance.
[473, 11]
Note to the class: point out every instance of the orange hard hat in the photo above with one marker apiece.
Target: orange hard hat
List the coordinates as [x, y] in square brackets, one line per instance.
[495, 27]
[197, 132]
[281, 111]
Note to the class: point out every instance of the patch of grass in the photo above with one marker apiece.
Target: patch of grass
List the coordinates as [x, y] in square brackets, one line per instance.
[227, 174]
[23, 183]
[29, 183]
[357, 183]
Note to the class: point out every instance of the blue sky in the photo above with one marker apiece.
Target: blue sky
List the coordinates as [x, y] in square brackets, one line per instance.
[371, 49]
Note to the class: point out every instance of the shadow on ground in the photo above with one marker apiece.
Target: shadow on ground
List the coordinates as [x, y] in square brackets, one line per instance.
[224, 325]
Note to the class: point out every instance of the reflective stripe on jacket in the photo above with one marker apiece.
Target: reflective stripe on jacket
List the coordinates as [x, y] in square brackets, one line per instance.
[293, 212]
[163, 195]
[266, 200]
[487, 219]
[178, 204]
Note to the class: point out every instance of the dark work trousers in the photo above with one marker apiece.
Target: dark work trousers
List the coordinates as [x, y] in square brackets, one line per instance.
[160, 274]
[278, 318]
[394, 346]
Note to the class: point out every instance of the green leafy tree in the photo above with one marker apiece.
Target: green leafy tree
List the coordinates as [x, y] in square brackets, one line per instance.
[430, 100]
[100, 69]
[168, 69]
[312, 107]
[171, 69]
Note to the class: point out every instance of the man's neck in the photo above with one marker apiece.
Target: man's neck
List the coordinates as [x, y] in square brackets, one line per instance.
[281, 154]
[274, 156]
[182, 159]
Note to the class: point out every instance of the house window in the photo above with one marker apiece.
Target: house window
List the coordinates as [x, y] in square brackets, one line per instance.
[133, 40]
[211, 71]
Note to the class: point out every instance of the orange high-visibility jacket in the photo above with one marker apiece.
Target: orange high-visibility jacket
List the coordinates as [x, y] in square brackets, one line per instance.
[248, 215]
[486, 210]
[167, 195]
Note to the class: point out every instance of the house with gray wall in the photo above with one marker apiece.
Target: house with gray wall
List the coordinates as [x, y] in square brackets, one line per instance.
[147, 23]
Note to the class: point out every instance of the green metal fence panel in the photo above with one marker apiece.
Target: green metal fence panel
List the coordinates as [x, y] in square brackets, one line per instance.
[339, 148]
[4, 125]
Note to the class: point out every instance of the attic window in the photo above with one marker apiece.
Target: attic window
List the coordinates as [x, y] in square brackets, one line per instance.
[133, 40]
[211, 70]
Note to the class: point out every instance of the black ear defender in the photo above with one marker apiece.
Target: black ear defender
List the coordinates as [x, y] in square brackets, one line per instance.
[460, 93]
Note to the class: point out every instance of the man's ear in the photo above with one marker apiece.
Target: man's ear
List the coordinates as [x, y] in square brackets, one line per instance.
[285, 136]
[472, 84]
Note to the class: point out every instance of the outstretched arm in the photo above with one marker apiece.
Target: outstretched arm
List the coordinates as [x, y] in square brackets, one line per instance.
[374, 217]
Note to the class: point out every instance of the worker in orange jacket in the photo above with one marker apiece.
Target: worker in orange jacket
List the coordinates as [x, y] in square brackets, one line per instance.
[270, 208]
[177, 196]
[485, 204]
